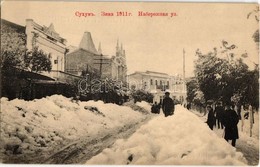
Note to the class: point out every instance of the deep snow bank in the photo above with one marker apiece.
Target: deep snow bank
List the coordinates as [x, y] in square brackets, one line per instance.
[144, 105]
[181, 139]
[29, 127]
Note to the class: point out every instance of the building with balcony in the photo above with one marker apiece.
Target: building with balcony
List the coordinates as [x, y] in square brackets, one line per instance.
[158, 83]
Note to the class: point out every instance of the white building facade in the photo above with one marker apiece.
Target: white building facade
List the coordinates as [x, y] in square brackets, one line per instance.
[158, 83]
[50, 42]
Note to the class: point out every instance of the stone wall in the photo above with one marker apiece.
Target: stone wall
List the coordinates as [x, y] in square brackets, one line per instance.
[81, 59]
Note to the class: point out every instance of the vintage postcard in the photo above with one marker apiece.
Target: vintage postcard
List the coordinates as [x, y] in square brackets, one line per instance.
[129, 83]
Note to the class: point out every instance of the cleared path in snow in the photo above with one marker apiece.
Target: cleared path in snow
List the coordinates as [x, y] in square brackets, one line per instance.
[245, 144]
[82, 150]
[249, 146]
[250, 152]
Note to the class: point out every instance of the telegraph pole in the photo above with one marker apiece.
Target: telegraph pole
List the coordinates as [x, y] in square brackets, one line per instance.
[101, 63]
[184, 82]
[183, 64]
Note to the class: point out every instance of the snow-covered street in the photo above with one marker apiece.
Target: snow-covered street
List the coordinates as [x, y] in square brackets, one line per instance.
[182, 139]
[249, 146]
[59, 130]
[55, 129]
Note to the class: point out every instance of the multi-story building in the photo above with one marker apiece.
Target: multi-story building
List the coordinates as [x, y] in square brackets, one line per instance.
[50, 42]
[72, 60]
[46, 39]
[158, 83]
[22, 83]
[87, 57]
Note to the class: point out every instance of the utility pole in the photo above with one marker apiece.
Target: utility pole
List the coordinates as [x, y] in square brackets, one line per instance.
[183, 64]
[88, 75]
[183, 77]
[101, 63]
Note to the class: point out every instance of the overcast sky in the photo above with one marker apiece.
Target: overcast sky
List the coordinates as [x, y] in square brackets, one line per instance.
[151, 43]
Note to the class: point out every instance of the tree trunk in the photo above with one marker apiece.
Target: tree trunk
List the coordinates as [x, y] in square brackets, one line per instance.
[251, 117]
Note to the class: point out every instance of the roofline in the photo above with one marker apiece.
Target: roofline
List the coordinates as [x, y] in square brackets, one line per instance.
[156, 72]
[105, 56]
[39, 27]
[81, 49]
[18, 26]
[149, 72]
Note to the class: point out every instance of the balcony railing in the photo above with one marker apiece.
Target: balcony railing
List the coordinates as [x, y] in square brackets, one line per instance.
[162, 87]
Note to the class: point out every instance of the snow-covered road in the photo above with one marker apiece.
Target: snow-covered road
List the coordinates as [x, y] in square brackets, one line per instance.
[249, 146]
[56, 129]
[181, 139]
[85, 148]
[60, 130]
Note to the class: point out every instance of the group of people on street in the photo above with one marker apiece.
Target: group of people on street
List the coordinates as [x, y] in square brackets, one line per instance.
[167, 105]
[226, 118]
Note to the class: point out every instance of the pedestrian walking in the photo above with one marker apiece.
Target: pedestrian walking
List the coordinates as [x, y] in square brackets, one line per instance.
[155, 108]
[218, 112]
[230, 121]
[158, 107]
[167, 105]
[211, 118]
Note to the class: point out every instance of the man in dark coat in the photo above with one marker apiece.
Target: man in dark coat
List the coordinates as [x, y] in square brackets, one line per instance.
[219, 111]
[230, 121]
[211, 118]
[167, 105]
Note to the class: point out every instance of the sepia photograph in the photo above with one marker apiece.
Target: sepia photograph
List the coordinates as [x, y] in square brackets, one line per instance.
[129, 83]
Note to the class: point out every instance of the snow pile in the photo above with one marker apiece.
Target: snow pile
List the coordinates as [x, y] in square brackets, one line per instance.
[29, 127]
[181, 139]
[144, 105]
